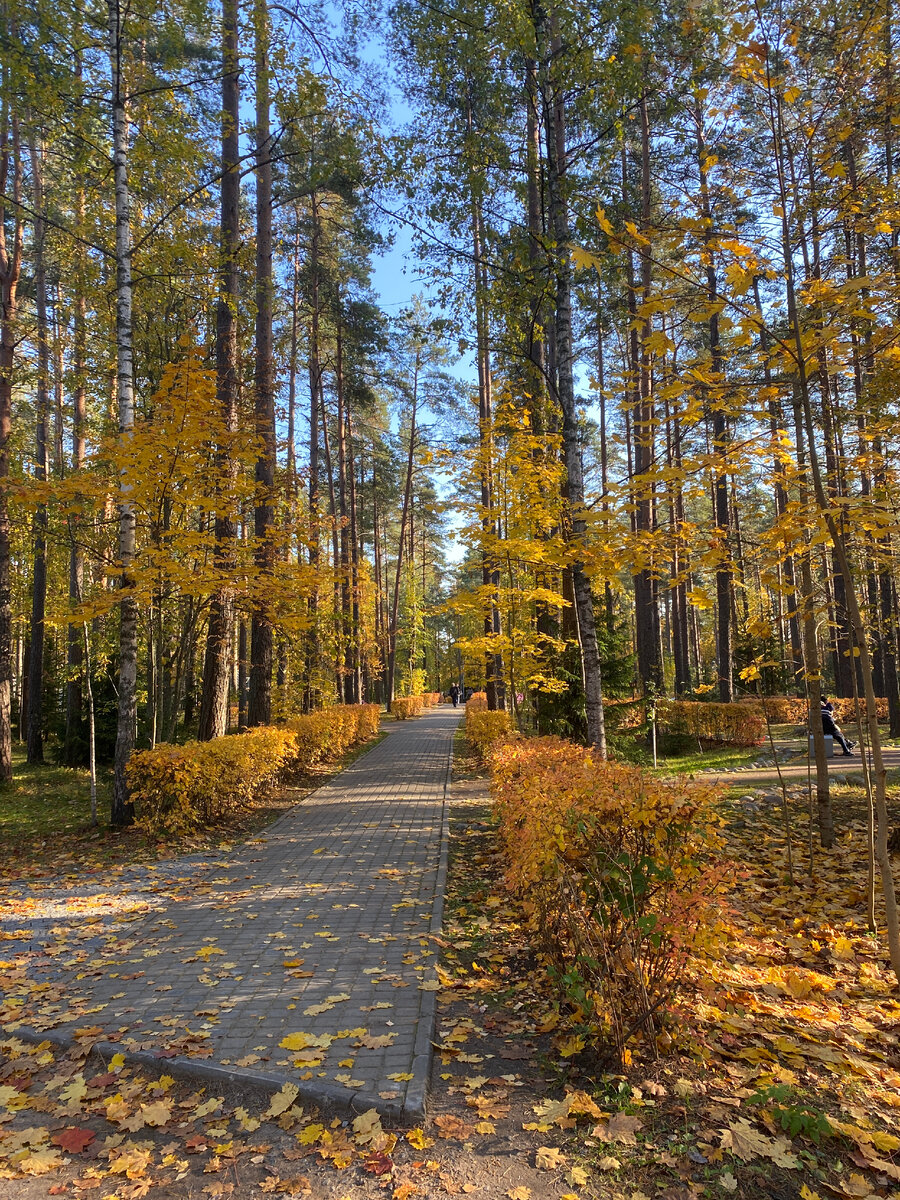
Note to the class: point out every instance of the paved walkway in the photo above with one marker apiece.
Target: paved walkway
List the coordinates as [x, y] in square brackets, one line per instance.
[796, 770]
[303, 957]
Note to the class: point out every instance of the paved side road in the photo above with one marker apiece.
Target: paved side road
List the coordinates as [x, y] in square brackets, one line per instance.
[315, 934]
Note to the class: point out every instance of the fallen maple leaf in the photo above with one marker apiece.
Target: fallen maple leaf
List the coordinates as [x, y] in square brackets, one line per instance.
[282, 1101]
[746, 1143]
[548, 1158]
[418, 1140]
[519, 1193]
[74, 1140]
[453, 1127]
[378, 1164]
[620, 1128]
[367, 1127]
[156, 1114]
[377, 1042]
[39, 1162]
[404, 1190]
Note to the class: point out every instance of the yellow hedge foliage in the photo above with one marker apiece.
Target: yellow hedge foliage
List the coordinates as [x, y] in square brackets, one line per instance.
[330, 732]
[431, 699]
[792, 710]
[404, 707]
[178, 788]
[610, 864]
[477, 701]
[484, 729]
[736, 724]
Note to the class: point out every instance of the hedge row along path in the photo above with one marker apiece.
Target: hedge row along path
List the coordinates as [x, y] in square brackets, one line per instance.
[315, 934]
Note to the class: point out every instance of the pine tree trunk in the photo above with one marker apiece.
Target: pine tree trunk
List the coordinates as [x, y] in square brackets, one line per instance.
[10, 267]
[404, 519]
[122, 810]
[217, 658]
[554, 119]
[646, 603]
[344, 516]
[315, 383]
[490, 575]
[354, 664]
[75, 660]
[35, 723]
[259, 705]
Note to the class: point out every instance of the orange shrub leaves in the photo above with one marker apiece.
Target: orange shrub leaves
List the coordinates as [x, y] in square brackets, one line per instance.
[405, 707]
[178, 788]
[734, 724]
[484, 729]
[611, 866]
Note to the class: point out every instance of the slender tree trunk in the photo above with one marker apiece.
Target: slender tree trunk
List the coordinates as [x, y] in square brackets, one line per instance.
[335, 553]
[490, 576]
[10, 267]
[718, 405]
[35, 725]
[646, 598]
[216, 663]
[554, 118]
[355, 660]
[122, 810]
[404, 519]
[259, 708]
[315, 383]
[76, 658]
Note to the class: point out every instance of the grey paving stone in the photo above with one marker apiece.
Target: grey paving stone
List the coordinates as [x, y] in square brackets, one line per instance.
[350, 881]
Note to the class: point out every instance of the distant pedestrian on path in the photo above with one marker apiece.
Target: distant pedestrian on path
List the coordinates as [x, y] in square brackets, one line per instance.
[454, 694]
[830, 728]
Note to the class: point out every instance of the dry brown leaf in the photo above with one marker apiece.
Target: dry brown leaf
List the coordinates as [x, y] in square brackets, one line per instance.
[548, 1158]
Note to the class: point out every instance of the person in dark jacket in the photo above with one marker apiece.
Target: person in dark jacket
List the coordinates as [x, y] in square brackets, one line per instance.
[830, 728]
[454, 694]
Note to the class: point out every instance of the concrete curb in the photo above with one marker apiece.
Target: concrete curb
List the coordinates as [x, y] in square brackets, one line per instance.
[325, 1097]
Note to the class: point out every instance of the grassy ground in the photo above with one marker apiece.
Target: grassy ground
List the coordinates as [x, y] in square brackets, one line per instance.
[45, 801]
[45, 820]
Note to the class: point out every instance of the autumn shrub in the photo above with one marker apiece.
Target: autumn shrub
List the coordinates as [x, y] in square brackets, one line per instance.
[432, 699]
[484, 729]
[623, 715]
[792, 710]
[477, 701]
[731, 724]
[845, 709]
[405, 707]
[179, 788]
[330, 732]
[611, 865]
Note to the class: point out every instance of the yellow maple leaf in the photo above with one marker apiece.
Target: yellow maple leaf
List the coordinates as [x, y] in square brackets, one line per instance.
[282, 1101]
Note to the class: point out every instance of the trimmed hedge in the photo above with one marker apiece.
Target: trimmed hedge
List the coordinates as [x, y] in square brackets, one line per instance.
[179, 788]
[432, 699]
[734, 724]
[792, 710]
[405, 707]
[610, 865]
[330, 732]
[484, 729]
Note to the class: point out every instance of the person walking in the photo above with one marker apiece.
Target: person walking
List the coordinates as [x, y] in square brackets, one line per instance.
[454, 694]
[829, 727]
